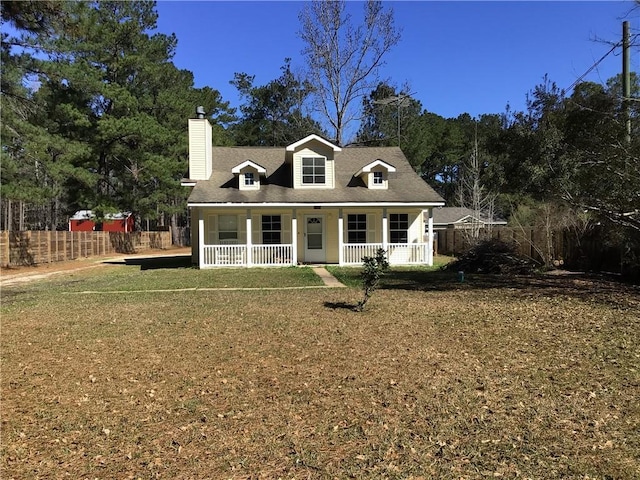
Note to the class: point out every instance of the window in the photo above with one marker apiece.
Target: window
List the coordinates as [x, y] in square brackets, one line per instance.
[398, 227]
[249, 179]
[313, 170]
[271, 230]
[227, 227]
[356, 228]
[377, 178]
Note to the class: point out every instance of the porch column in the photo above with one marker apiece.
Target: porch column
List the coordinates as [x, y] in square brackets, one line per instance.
[200, 237]
[385, 229]
[294, 238]
[430, 237]
[249, 239]
[340, 237]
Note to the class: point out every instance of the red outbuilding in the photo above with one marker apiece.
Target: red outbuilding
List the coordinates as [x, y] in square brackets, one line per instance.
[85, 221]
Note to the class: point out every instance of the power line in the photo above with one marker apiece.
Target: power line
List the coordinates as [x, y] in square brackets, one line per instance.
[579, 79]
[592, 67]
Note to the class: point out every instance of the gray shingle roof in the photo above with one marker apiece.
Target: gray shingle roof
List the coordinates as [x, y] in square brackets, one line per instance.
[405, 186]
[449, 215]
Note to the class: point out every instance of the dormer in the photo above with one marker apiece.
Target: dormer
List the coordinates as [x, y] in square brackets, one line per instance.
[249, 174]
[313, 164]
[376, 174]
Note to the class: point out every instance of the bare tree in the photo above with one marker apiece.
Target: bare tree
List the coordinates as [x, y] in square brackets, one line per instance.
[343, 60]
[473, 194]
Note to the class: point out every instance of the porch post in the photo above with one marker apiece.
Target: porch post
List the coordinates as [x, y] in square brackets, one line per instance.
[294, 238]
[249, 239]
[340, 237]
[430, 237]
[385, 229]
[200, 238]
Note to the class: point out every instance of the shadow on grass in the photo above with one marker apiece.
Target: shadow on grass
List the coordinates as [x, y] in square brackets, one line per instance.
[341, 305]
[156, 263]
[600, 288]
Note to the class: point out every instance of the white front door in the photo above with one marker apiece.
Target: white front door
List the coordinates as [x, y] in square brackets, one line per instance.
[314, 241]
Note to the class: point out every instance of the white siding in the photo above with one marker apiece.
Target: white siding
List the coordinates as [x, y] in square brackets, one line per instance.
[329, 168]
[200, 149]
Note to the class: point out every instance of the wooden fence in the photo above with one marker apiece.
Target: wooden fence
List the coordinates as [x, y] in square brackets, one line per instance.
[589, 252]
[530, 242]
[37, 247]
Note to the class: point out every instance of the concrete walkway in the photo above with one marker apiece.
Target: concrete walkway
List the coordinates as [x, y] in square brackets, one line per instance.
[328, 279]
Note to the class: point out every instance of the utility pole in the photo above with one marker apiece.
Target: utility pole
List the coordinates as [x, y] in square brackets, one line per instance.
[626, 79]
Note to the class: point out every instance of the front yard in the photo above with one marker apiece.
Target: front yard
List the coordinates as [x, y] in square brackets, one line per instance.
[493, 377]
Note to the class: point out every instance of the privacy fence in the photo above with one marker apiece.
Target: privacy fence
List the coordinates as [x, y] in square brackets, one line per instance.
[37, 247]
[588, 251]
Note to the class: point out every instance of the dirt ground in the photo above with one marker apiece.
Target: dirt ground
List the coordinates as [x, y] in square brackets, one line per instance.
[14, 275]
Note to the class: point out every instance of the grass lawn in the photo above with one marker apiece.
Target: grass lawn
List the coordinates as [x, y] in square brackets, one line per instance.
[495, 377]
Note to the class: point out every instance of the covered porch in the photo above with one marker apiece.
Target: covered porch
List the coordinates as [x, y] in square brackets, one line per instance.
[278, 237]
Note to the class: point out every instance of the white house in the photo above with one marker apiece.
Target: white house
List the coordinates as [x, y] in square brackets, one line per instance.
[309, 202]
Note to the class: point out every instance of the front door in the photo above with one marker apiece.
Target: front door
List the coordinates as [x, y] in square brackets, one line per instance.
[314, 241]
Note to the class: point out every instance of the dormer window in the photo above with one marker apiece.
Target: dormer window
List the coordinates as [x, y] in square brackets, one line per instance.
[376, 174]
[313, 171]
[249, 175]
[312, 161]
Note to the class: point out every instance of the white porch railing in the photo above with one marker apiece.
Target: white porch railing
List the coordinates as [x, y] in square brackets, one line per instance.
[397, 253]
[353, 252]
[236, 255]
[282, 255]
[224, 256]
[272, 255]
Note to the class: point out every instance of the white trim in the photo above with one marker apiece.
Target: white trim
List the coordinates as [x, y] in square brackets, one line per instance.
[375, 163]
[308, 138]
[422, 205]
[201, 261]
[189, 183]
[294, 237]
[385, 228]
[249, 239]
[340, 237]
[248, 163]
[430, 237]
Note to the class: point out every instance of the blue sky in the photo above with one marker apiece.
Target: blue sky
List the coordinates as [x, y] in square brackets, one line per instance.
[457, 56]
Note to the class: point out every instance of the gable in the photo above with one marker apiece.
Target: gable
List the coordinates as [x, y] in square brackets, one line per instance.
[311, 141]
[248, 165]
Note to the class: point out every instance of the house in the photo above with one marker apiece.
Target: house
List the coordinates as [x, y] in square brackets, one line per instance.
[309, 202]
[461, 218]
[85, 221]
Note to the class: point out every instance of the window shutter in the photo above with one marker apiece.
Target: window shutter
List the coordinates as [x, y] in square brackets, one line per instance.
[345, 228]
[285, 222]
[371, 228]
[256, 227]
[212, 230]
[242, 229]
[413, 234]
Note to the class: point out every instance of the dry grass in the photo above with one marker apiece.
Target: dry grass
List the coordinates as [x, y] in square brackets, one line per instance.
[491, 378]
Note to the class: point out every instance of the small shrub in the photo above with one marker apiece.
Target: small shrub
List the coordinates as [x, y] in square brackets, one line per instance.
[373, 268]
